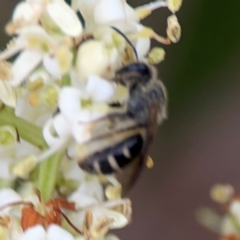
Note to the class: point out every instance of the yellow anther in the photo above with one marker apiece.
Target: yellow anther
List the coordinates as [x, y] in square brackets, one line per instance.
[25, 166]
[173, 29]
[156, 55]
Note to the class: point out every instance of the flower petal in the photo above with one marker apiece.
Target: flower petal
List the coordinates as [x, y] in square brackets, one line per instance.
[5, 165]
[51, 65]
[82, 200]
[109, 11]
[24, 65]
[69, 103]
[73, 171]
[119, 220]
[93, 113]
[143, 44]
[56, 232]
[59, 125]
[80, 131]
[93, 188]
[65, 18]
[23, 10]
[36, 233]
[7, 196]
[86, 8]
[100, 89]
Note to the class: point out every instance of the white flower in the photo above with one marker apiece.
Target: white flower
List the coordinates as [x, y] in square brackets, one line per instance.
[102, 12]
[25, 63]
[52, 233]
[80, 107]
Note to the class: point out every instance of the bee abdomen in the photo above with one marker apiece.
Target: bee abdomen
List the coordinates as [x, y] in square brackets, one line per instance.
[114, 158]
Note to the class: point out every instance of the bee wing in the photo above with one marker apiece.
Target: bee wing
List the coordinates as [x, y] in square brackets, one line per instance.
[128, 176]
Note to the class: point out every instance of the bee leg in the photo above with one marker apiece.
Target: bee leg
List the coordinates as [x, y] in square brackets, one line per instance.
[113, 159]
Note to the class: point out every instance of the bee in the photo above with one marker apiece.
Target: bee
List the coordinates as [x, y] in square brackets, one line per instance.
[123, 147]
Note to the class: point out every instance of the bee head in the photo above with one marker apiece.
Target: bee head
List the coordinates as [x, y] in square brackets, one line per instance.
[134, 74]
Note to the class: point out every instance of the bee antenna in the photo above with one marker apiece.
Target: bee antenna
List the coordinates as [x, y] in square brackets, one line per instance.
[127, 40]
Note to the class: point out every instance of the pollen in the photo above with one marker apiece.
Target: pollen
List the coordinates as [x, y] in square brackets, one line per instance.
[33, 99]
[5, 70]
[149, 162]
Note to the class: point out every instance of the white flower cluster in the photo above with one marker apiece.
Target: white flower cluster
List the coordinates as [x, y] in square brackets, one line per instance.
[24, 215]
[57, 80]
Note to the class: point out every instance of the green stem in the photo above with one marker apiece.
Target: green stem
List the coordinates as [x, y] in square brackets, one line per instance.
[48, 173]
[48, 169]
[26, 130]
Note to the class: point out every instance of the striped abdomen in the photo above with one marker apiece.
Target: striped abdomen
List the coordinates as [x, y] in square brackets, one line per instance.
[114, 158]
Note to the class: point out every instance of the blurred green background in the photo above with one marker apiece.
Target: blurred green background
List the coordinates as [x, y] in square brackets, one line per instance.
[199, 144]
